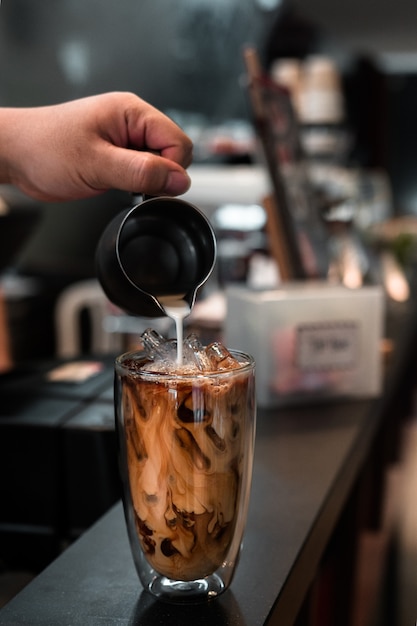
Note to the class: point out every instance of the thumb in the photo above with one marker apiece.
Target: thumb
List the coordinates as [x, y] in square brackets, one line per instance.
[135, 171]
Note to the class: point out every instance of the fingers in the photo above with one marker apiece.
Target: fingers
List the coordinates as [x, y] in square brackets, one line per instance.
[168, 140]
[151, 130]
[159, 150]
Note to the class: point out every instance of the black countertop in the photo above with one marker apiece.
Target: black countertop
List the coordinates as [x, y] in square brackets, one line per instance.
[307, 461]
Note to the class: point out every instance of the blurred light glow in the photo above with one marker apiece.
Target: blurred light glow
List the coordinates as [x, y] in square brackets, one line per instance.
[240, 217]
[395, 282]
[268, 5]
[74, 58]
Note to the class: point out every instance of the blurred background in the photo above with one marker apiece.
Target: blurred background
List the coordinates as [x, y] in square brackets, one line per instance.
[187, 60]
[185, 57]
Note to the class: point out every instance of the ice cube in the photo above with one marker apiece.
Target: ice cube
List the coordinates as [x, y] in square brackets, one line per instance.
[195, 353]
[157, 347]
[220, 357]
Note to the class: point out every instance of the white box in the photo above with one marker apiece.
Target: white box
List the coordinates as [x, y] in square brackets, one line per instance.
[310, 340]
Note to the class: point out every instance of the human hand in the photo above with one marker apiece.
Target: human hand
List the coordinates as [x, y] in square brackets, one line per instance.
[85, 147]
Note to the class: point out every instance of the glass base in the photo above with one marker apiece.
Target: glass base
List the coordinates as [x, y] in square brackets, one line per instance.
[183, 592]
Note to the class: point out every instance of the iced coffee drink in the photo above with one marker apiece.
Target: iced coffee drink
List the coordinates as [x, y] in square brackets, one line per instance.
[186, 433]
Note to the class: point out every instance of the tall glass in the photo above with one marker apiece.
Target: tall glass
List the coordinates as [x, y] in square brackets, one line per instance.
[186, 445]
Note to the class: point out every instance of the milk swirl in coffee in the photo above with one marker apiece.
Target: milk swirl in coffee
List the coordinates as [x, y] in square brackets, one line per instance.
[185, 408]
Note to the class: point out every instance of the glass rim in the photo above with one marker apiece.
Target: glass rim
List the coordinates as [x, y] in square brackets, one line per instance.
[246, 363]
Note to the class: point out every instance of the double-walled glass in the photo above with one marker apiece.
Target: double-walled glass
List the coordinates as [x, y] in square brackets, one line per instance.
[186, 446]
